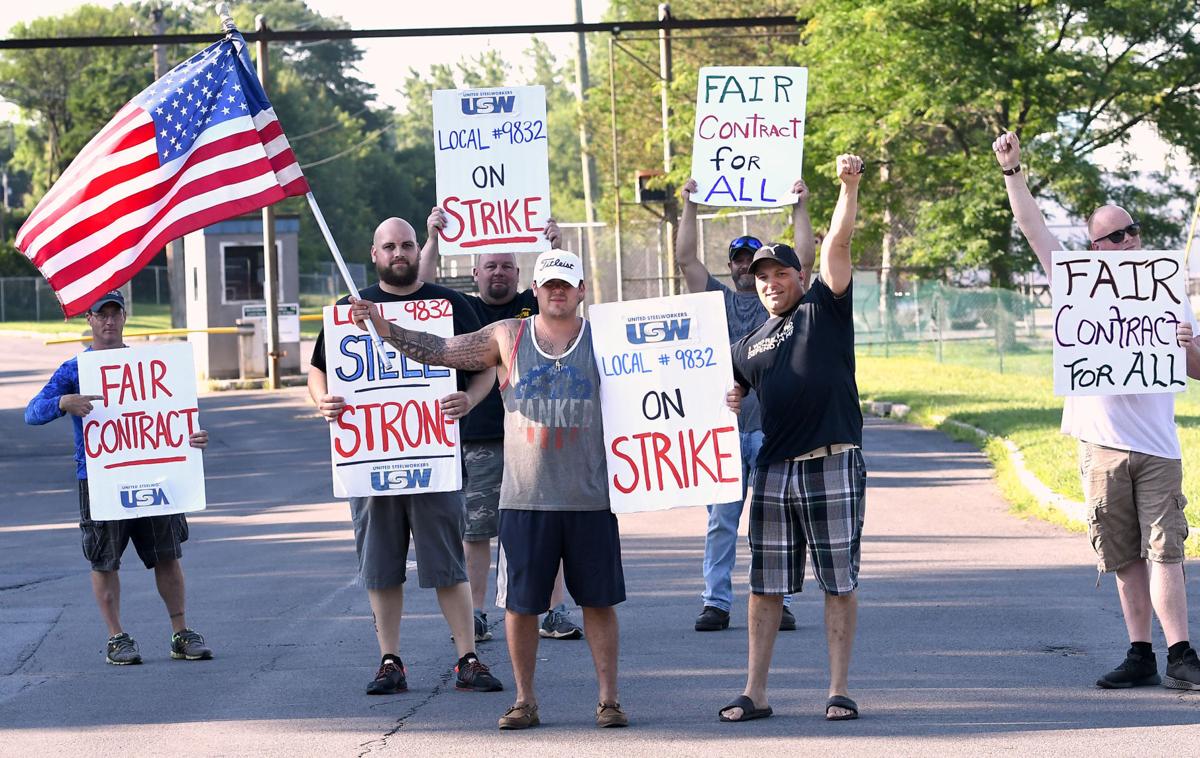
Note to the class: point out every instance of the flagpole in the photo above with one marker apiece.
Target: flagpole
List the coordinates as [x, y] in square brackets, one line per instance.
[1187, 250]
[341, 264]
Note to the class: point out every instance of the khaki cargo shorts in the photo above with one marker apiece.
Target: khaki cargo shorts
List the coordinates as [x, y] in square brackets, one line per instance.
[1135, 506]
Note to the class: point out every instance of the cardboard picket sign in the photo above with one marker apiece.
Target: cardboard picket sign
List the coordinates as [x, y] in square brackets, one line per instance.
[1115, 319]
[748, 143]
[665, 367]
[391, 438]
[493, 171]
[135, 441]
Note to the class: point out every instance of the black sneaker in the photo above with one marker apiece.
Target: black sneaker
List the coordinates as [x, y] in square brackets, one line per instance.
[482, 633]
[1184, 674]
[1136, 670]
[390, 679]
[188, 644]
[787, 622]
[476, 677]
[712, 619]
[122, 650]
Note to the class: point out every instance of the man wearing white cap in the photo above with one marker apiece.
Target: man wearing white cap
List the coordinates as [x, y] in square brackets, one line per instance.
[552, 423]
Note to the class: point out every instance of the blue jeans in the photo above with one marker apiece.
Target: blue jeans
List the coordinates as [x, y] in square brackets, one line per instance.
[720, 543]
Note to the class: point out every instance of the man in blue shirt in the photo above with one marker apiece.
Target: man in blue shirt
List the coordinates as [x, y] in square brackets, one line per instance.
[157, 539]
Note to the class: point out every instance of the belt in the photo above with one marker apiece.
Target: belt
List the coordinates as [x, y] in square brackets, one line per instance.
[824, 451]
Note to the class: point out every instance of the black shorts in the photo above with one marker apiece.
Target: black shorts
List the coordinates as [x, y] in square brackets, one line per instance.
[156, 538]
[532, 543]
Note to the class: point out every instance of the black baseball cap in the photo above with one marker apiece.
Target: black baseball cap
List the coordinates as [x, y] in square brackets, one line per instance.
[106, 298]
[745, 243]
[782, 254]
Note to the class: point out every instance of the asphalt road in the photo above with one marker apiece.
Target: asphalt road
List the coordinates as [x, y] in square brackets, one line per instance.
[979, 632]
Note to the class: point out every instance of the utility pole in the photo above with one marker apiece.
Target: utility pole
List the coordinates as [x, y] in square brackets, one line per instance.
[270, 259]
[670, 209]
[585, 154]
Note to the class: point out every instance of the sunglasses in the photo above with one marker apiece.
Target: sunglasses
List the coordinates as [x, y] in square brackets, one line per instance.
[745, 243]
[1119, 235]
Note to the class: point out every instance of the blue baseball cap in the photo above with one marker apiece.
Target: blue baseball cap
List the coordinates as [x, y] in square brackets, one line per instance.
[106, 298]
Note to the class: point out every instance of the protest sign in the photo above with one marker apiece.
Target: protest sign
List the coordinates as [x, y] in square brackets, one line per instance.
[748, 145]
[135, 440]
[391, 438]
[664, 370]
[493, 176]
[1115, 316]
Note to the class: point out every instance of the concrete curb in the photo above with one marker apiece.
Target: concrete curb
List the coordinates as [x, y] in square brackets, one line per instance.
[1073, 510]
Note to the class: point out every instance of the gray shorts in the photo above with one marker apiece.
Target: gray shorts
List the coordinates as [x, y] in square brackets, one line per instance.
[382, 525]
[485, 468]
[156, 538]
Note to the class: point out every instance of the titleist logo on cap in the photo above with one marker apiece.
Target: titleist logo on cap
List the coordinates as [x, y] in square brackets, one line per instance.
[548, 262]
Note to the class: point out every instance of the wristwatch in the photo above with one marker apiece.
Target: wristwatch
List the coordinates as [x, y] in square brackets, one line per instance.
[1010, 171]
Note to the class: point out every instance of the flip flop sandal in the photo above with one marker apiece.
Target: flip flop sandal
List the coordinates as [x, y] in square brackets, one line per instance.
[841, 701]
[750, 711]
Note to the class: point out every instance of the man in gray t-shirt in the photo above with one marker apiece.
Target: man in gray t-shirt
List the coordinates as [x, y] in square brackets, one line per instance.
[743, 314]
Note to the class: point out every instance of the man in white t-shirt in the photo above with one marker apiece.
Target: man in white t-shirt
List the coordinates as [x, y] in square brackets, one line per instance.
[1131, 465]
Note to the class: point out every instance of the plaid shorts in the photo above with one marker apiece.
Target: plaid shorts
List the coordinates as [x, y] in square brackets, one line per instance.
[818, 504]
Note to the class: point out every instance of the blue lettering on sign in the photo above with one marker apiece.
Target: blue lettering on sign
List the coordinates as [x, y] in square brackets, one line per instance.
[481, 105]
[144, 498]
[649, 332]
[403, 479]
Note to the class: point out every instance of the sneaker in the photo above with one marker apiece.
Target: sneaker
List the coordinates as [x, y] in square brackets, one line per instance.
[520, 716]
[787, 622]
[1184, 674]
[482, 633]
[610, 714]
[122, 650]
[558, 625]
[1136, 670]
[188, 644]
[390, 679]
[712, 619]
[476, 677]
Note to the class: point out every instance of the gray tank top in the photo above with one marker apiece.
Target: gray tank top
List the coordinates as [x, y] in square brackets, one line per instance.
[553, 437]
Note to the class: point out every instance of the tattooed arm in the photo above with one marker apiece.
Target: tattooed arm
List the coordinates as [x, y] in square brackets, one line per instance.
[467, 352]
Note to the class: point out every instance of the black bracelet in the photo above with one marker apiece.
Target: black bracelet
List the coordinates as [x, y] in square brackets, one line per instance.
[1010, 171]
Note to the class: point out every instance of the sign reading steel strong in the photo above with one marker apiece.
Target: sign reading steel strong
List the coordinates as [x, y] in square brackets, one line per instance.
[748, 145]
[493, 177]
[391, 438]
[1115, 318]
[139, 458]
[664, 370]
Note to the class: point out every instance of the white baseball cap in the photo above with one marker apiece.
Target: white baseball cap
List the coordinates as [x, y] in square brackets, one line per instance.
[558, 264]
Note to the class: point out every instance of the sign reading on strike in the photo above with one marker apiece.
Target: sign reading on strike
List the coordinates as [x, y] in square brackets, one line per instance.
[749, 141]
[1115, 317]
[493, 176]
[391, 438]
[135, 440]
[664, 370]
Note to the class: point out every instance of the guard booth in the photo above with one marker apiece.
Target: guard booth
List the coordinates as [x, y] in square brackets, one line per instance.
[225, 269]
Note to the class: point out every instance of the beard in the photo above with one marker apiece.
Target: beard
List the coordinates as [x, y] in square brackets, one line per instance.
[403, 277]
[499, 290]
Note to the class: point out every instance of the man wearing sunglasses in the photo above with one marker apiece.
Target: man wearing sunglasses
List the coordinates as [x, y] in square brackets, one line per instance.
[743, 314]
[1130, 461]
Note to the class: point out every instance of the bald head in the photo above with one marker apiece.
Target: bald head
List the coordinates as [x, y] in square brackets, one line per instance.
[393, 228]
[395, 253]
[496, 276]
[1108, 219]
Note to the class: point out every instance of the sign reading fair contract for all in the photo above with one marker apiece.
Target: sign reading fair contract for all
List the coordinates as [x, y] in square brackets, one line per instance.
[493, 176]
[664, 371]
[391, 438]
[135, 441]
[749, 141]
[1115, 319]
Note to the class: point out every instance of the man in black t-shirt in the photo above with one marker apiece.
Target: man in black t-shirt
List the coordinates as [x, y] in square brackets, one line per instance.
[497, 277]
[810, 482]
[383, 525]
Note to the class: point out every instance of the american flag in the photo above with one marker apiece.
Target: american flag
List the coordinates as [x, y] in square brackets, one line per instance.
[200, 145]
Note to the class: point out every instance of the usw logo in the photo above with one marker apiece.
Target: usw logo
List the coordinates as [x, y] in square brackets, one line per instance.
[667, 330]
[481, 105]
[402, 479]
[144, 498]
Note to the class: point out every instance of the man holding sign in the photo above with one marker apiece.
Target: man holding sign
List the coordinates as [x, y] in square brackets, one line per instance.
[554, 505]
[435, 520]
[1130, 462]
[809, 488]
[743, 314]
[157, 539]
